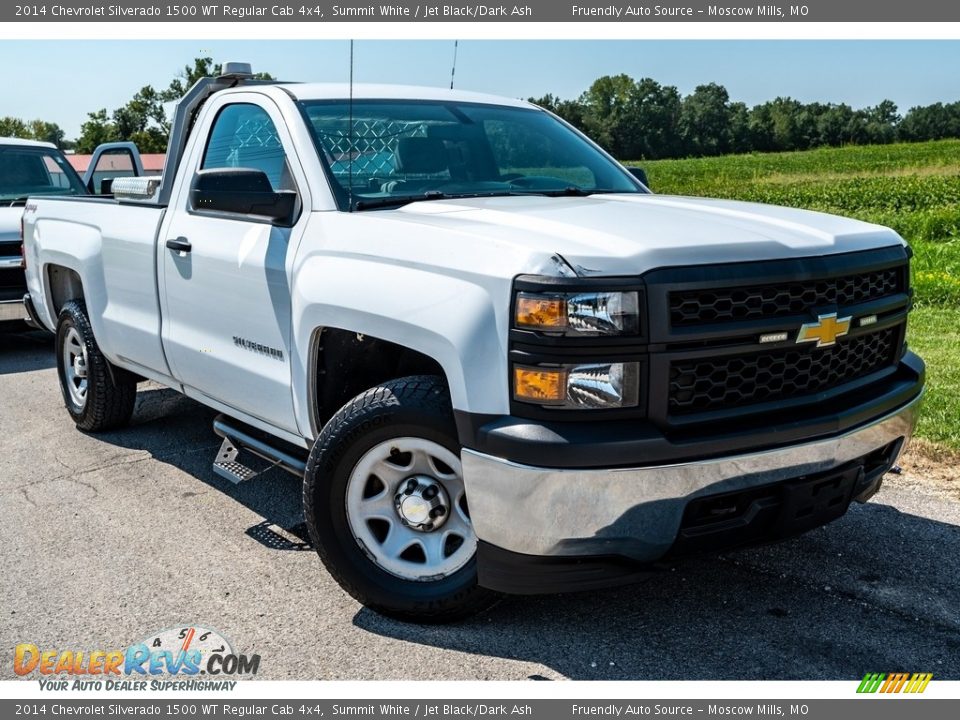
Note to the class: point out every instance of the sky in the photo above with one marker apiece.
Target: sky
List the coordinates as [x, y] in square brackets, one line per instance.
[61, 81]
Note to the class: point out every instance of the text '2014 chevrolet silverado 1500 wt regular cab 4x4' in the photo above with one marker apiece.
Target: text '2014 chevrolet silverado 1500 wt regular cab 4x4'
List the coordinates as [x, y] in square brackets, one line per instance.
[499, 362]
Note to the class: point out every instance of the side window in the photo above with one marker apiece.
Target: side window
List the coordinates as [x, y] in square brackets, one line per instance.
[58, 176]
[110, 165]
[244, 136]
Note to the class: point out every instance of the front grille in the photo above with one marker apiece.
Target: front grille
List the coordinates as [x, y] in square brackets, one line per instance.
[725, 382]
[700, 307]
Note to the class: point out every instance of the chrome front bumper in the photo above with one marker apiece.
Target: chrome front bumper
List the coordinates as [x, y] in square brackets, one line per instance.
[636, 512]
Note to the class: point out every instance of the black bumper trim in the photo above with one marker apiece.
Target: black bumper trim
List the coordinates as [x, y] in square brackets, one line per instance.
[519, 574]
[625, 443]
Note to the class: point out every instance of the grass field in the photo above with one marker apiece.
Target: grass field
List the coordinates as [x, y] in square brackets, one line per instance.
[913, 188]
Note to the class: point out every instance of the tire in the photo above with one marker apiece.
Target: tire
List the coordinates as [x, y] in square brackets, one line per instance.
[400, 430]
[99, 396]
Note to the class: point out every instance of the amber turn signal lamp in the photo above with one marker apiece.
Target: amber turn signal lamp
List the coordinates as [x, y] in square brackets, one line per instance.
[537, 311]
[539, 385]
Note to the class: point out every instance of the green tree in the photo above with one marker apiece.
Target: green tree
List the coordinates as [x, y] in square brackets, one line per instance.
[881, 122]
[705, 121]
[201, 68]
[47, 132]
[633, 120]
[143, 120]
[787, 129]
[656, 116]
[776, 125]
[739, 128]
[605, 104]
[569, 110]
[32, 130]
[833, 125]
[760, 128]
[13, 127]
[96, 130]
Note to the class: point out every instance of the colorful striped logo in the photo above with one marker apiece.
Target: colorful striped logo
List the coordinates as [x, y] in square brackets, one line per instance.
[894, 682]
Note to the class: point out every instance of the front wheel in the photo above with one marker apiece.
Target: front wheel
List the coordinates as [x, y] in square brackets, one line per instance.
[386, 506]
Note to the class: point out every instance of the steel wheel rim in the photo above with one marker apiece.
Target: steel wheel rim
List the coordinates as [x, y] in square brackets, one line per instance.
[75, 367]
[377, 524]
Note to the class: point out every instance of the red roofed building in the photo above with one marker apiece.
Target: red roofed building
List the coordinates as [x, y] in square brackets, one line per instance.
[152, 163]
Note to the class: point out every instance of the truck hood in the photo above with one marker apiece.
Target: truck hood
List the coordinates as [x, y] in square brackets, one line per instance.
[629, 234]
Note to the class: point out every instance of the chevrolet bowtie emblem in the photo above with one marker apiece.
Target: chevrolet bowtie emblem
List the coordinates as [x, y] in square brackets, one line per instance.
[825, 330]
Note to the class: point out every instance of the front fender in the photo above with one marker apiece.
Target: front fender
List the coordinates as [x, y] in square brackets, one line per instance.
[457, 321]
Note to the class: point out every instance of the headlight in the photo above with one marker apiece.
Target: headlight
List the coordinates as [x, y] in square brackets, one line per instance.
[578, 387]
[578, 313]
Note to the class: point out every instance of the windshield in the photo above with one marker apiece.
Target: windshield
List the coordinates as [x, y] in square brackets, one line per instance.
[26, 171]
[400, 151]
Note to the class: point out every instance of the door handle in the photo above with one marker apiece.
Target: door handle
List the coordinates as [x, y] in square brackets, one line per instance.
[181, 244]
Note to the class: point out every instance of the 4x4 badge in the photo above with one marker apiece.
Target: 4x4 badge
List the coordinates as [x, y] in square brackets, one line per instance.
[825, 330]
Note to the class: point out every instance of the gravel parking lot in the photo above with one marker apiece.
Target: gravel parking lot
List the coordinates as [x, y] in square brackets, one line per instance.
[109, 538]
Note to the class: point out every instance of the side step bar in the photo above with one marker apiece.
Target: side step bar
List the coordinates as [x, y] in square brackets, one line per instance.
[237, 437]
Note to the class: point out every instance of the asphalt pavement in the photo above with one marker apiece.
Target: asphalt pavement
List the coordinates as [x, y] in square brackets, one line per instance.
[107, 539]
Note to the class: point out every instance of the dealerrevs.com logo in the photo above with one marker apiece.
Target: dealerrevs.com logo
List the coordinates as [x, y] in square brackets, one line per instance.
[894, 683]
[181, 658]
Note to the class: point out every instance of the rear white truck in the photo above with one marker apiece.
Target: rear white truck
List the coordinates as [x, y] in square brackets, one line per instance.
[27, 167]
[499, 362]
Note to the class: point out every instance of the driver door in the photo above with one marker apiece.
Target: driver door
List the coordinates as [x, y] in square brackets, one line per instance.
[226, 276]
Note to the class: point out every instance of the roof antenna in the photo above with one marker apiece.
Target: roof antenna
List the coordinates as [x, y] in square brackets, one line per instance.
[453, 70]
[350, 151]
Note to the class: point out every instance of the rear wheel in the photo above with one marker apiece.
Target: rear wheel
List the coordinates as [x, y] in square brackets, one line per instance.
[386, 505]
[99, 396]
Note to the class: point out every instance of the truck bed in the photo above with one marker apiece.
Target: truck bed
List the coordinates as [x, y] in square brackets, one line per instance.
[113, 242]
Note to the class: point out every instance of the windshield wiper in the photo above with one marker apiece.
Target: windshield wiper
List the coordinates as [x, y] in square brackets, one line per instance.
[399, 200]
[431, 195]
[14, 202]
[570, 191]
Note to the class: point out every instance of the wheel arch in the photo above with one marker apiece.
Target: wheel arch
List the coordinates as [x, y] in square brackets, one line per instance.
[429, 323]
[63, 285]
[344, 363]
[68, 266]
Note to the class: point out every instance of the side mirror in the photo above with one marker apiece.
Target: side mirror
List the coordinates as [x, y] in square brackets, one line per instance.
[640, 174]
[242, 191]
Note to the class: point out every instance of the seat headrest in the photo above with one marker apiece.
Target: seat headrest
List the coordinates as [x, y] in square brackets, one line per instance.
[421, 155]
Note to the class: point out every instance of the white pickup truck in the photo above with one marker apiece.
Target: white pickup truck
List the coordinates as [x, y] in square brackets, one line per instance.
[27, 167]
[499, 362]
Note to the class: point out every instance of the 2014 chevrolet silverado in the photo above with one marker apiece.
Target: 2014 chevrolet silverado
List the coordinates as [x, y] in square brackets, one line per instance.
[499, 362]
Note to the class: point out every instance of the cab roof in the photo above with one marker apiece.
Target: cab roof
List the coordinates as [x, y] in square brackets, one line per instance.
[25, 143]
[341, 91]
